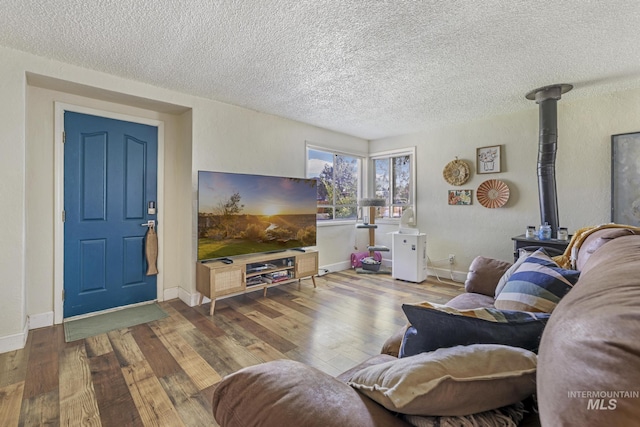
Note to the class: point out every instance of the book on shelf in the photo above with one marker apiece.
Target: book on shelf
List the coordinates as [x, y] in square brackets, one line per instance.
[271, 277]
[277, 276]
[256, 280]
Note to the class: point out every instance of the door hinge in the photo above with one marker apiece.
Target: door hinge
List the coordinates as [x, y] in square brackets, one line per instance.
[63, 295]
[64, 137]
[64, 216]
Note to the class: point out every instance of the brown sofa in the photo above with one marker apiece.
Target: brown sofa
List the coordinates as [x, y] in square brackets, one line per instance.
[588, 366]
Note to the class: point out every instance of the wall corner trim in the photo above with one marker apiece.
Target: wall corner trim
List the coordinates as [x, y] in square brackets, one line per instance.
[14, 342]
[40, 320]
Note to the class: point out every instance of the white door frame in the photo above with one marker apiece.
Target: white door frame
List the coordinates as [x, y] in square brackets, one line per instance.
[58, 171]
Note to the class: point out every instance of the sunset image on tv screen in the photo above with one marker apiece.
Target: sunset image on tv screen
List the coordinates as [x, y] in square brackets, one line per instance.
[242, 214]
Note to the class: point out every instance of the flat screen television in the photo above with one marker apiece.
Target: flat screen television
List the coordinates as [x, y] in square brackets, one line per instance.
[241, 214]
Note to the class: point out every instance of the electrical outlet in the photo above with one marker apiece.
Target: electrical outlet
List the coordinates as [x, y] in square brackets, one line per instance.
[452, 258]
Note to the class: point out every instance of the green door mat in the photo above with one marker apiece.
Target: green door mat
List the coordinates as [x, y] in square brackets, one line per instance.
[102, 323]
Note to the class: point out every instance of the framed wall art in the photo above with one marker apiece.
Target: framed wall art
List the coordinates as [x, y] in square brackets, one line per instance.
[625, 179]
[488, 159]
[460, 197]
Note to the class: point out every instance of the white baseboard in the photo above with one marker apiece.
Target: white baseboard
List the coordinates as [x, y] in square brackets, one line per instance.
[40, 320]
[445, 273]
[188, 298]
[171, 293]
[191, 299]
[15, 341]
[339, 266]
[18, 341]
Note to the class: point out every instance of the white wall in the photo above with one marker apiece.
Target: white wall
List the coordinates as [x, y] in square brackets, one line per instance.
[12, 204]
[200, 134]
[231, 139]
[209, 135]
[582, 173]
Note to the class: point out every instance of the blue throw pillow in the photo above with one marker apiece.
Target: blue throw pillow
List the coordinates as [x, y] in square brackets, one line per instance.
[434, 326]
[537, 285]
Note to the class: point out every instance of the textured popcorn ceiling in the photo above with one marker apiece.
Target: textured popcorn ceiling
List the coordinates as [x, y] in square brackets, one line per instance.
[366, 68]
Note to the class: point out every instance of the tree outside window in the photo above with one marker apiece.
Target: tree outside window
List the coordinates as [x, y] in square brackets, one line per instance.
[392, 180]
[338, 183]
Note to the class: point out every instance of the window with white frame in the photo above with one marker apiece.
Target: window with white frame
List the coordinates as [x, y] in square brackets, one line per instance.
[339, 182]
[392, 178]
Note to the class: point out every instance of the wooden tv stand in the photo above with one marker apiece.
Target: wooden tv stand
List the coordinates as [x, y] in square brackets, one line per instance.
[216, 279]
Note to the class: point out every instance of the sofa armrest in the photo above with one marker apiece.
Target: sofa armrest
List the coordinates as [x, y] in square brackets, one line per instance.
[288, 393]
[592, 343]
[484, 274]
[392, 345]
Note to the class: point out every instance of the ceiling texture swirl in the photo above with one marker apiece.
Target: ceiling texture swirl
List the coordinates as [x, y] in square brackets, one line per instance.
[368, 68]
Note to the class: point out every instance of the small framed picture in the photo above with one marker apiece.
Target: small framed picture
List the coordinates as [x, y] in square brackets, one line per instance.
[460, 197]
[488, 159]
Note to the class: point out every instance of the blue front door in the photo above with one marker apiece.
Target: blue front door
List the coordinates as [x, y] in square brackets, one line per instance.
[110, 179]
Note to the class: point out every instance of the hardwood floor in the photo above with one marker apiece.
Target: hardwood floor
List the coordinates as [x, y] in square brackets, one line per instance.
[164, 372]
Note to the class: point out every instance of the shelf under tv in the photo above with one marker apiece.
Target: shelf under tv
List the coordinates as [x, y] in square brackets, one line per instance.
[216, 279]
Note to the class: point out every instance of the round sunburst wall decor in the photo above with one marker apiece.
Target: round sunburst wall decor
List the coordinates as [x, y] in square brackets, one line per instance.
[493, 193]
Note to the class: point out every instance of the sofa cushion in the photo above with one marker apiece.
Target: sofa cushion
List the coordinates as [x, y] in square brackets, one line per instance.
[595, 241]
[502, 282]
[484, 274]
[434, 326]
[537, 285]
[591, 346]
[470, 300]
[392, 345]
[459, 380]
[288, 393]
[374, 360]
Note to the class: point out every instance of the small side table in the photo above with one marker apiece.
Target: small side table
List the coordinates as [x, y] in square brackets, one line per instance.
[553, 247]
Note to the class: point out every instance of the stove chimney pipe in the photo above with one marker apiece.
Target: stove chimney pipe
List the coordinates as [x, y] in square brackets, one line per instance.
[547, 98]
